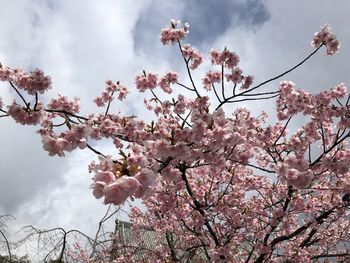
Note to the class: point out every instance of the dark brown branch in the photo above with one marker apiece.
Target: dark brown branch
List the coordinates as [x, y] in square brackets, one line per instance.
[284, 128]
[284, 73]
[222, 82]
[7, 245]
[95, 151]
[253, 166]
[216, 94]
[66, 113]
[330, 149]
[347, 255]
[19, 94]
[182, 167]
[169, 240]
[184, 86]
[301, 229]
[108, 105]
[188, 70]
[36, 101]
[269, 80]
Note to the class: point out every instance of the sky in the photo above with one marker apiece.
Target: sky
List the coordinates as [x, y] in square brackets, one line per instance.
[82, 43]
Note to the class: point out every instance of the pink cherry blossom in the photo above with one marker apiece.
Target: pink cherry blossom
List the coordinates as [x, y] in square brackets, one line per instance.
[325, 36]
[169, 78]
[235, 76]
[192, 55]
[6, 74]
[107, 95]
[173, 34]
[117, 191]
[146, 178]
[32, 82]
[25, 116]
[144, 82]
[211, 78]
[227, 58]
[63, 103]
[247, 82]
[54, 145]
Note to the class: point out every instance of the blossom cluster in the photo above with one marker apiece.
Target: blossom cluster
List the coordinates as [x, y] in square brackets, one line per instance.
[173, 34]
[326, 37]
[150, 81]
[166, 80]
[24, 115]
[229, 60]
[226, 58]
[295, 172]
[33, 82]
[57, 144]
[146, 81]
[118, 181]
[210, 78]
[293, 100]
[64, 104]
[107, 95]
[193, 55]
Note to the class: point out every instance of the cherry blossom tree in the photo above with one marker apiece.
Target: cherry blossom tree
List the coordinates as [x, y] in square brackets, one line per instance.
[219, 184]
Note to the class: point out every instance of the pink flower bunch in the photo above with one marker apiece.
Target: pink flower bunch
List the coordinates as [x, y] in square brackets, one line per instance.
[6, 74]
[107, 95]
[32, 82]
[146, 81]
[63, 103]
[24, 115]
[339, 163]
[293, 100]
[53, 144]
[210, 78]
[227, 58]
[119, 190]
[326, 37]
[76, 137]
[295, 171]
[235, 76]
[247, 82]
[146, 178]
[80, 255]
[181, 104]
[325, 97]
[193, 55]
[174, 34]
[165, 81]
[112, 182]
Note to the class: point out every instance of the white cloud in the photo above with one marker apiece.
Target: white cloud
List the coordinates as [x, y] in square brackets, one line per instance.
[80, 44]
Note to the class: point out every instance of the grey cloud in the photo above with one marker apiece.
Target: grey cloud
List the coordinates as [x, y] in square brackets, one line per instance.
[23, 173]
[80, 44]
[54, 38]
[25, 168]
